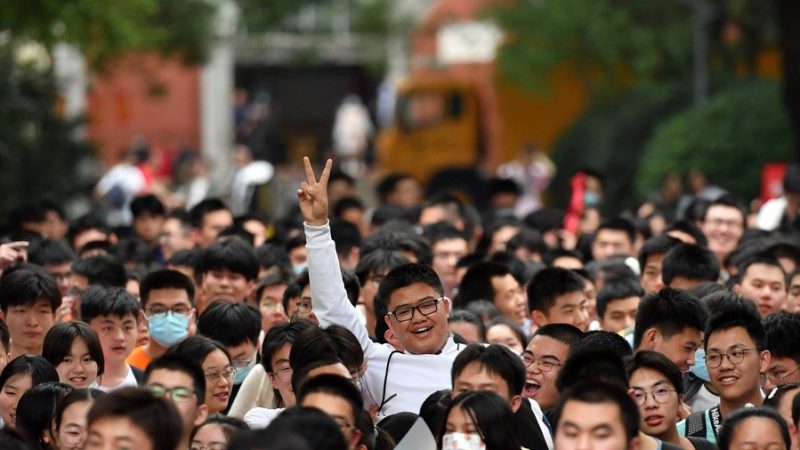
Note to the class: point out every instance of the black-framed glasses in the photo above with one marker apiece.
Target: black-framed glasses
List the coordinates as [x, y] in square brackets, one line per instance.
[660, 394]
[545, 365]
[178, 394]
[425, 307]
[177, 309]
[735, 356]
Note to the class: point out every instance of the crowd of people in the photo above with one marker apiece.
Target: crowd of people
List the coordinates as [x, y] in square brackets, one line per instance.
[417, 324]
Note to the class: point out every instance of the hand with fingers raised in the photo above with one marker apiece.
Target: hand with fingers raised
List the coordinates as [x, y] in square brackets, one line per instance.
[313, 194]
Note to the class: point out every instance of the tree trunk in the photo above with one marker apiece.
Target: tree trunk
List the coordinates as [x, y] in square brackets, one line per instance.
[788, 12]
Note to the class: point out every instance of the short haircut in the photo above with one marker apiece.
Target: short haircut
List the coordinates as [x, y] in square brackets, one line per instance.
[5, 338]
[231, 426]
[691, 262]
[50, 252]
[648, 359]
[346, 203]
[618, 224]
[351, 286]
[598, 393]
[314, 344]
[464, 316]
[279, 335]
[378, 260]
[389, 183]
[316, 428]
[759, 258]
[776, 395]
[783, 333]
[477, 282]
[230, 323]
[617, 290]
[728, 201]
[441, 231]
[669, 311]
[271, 255]
[76, 396]
[658, 245]
[404, 276]
[37, 367]
[25, 284]
[562, 332]
[36, 408]
[598, 340]
[515, 329]
[105, 270]
[495, 359]
[688, 227]
[434, 408]
[549, 284]
[85, 223]
[198, 213]
[529, 239]
[147, 204]
[740, 415]
[401, 239]
[181, 216]
[270, 280]
[59, 339]
[108, 301]
[197, 348]
[165, 279]
[345, 235]
[336, 386]
[231, 254]
[179, 363]
[155, 416]
[598, 365]
[736, 311]
[551, 256]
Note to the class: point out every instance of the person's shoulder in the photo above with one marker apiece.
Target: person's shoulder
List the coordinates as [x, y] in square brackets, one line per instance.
[701, 444]
[261, 417]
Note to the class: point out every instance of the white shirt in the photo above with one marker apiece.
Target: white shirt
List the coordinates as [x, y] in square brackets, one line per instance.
[258, 418]
[411, 378]
[129, 380]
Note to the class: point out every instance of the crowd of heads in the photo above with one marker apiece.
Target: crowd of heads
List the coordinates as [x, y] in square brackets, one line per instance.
[195, 329]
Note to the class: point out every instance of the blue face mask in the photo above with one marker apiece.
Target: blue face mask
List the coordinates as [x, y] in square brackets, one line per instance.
[590, 199]
[299, 268]
[241, 374]
[699, 369]
[168, 328]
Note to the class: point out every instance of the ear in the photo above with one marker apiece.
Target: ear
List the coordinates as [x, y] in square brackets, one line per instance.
[356, 438]
[737, 288]
[271, 377]
[516, 402]
[538, 318]
[194, 235]
[650, 339]
[201, 416]
[765, 358]
[635, 444]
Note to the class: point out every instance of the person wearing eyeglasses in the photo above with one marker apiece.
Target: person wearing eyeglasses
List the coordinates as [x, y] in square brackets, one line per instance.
[783, 335]
[736, 356]
[543, 358]
[657, 389]
[337, 397]
[181, 381]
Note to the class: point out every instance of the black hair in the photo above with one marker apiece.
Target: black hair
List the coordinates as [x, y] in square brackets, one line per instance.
[728, 201]
[404, 276]
[687, 227]
[271, 255]
[91, 248]
[182, 216]
[175, 362]
[315, 344]
[351, 286]
[597, 393]
[147, 204]
[345, 235]
[104, 270]
[433, 410]
[85, 223]
[37, 367]
[477, 282]
[269, 280]
[657, 245]
[26, 213]
[346, 203]
[50, 252]
[484, 309]
[188, 258]
[648, 359]
[562, 332]
[315, 427]
[232, 254]
[760, 258]
[12, 439]
[691, 262]
[25, 284]
[378, 260]
[401, 239]
[598, 365]
[736, 311]
[782, 334]
[618, 224]
[464, 316]
[669, 311]
[59, 339]
[602, 340]
[197, 348]
[36, 408]
[268, 439]
[238, 231]
[75, 396]
[703, 290]
[336, 386]
[389, 183]
[498, 185]
[778, 250]
[132, 251]
[230, 323]
[549, 284]
[775, 396]
[279, 335]
[737, 417]
[441, 231]
[108, 301]
[5, 337]
[528, 239]
[552, 255]
[198, 213]
[618, 289]
[231, 426]
[155, 416]
[495, 359]
[511, 325]
[492, 417]
[165, 279]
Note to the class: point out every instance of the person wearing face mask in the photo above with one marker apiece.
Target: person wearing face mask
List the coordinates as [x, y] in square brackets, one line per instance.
[479, 420]
[167, 298]
[237, 327]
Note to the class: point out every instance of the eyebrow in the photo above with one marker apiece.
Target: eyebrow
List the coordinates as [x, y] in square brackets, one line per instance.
[730, 347]
[657, 383]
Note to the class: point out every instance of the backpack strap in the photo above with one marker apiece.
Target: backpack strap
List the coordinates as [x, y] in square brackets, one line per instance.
[696, 425]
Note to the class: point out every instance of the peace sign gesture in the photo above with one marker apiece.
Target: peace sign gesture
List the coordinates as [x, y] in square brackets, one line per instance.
[313, 194]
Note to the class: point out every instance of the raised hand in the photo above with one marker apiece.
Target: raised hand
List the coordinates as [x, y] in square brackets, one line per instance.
[12, 252]
[313, 194]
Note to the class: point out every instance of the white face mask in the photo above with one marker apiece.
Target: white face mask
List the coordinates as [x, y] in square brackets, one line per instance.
[463, 441]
